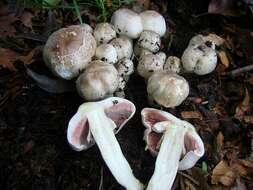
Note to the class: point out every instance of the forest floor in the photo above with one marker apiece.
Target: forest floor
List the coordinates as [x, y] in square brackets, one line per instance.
[34, 152]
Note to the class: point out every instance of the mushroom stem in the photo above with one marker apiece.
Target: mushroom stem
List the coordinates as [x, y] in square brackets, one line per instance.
[102, 131]
[167, 161]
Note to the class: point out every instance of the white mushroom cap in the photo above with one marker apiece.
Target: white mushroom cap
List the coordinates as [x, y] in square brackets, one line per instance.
[162, 56]
[150, 40]
[139, 51]
[69, 50]
[199, 59]
[149, 64]
[125, 67]
[104, 32]
[127, 22]
[203, 39]
[107, 53]
[167, 89]
[153, 21]
[172, 64]
[98, 81]
[123, 46]
[87, 28]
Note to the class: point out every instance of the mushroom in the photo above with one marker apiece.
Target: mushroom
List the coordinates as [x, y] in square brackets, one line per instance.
[167, 89]
[211, 39]
[97, 122]
[149, 64]
[69, 50]
[125, 67]
[107, 53]
[87, 28]
[104, 32]
[99, 80]
[199, 59]
[127, 22]
[162, 56]
[150, 40]
[170, 139]
[139, 51]
[173, 64]
[153, 21]
[123, 46]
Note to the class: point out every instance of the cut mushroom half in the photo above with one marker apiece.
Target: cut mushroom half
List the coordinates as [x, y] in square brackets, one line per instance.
[175, 142]
[97, 122]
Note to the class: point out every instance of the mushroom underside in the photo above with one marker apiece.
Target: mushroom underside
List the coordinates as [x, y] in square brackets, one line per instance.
[153, 138]
[118, 113]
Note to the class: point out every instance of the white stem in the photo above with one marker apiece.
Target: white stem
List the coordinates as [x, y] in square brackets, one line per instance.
[167, 161]
[102, 130]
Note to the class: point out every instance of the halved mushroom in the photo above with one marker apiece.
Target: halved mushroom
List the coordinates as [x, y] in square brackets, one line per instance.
[69, 50]
[97, 122]
[170, 139]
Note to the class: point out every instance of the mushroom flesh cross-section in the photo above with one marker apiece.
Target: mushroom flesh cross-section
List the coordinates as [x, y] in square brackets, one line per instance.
[97, 122]
[175, 142]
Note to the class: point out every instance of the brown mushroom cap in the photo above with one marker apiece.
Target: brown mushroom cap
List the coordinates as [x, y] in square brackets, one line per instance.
[69, 50]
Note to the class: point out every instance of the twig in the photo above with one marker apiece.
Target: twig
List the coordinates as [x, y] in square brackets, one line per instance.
[239, 71]
[189, 177]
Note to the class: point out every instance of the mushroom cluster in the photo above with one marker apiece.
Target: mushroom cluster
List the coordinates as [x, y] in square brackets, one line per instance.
[101, 62]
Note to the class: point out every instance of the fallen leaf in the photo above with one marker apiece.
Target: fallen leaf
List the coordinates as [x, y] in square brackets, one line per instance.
[248, 119]
[26, 19]
[223, 174]
[29, 58]
[244, 106]
[7, 29]
[217, 40]
[223, 58]
[51, 85]
[7, 58]
[223, 7]
[191, 115]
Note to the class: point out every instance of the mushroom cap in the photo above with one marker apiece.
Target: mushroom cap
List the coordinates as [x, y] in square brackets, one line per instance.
[98, 81]
[193, 145]
[125, 67]
[127, 22]
[107, 53]
[162, 56]
[203, 39]
[167, 89]
[199, 59]
[149, 64]
[173, 64]
[150, 40]
[153, 21]
[119, 110]
[139, 51]
[123, 46]
[69, 50]
[87, 28]
[104, 32]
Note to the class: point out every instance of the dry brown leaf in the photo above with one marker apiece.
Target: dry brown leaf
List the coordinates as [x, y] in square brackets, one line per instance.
[191, 115]
[7, 58]
[7, 29]
[223, 174]
[223, 7]
[29, 58]
[219, 109]
[217, 40]
[244, 106]
[26, 19]
[220, 140]
[224, 58]
[248, 119]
